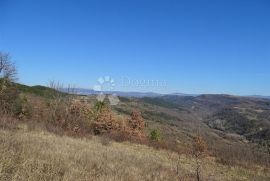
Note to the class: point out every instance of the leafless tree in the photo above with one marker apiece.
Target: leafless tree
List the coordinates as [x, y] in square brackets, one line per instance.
[8, 70]
[8, 91]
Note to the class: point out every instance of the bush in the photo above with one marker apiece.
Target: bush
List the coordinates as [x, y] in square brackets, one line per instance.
[69, 115]
[131, 129]
[136, 127]
[199, 150]
[100, 106]
[155, 135]
[105, 122]
[199, 146]
[8, 98]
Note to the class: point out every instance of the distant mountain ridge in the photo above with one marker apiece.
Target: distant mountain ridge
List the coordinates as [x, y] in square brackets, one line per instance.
[259, 96]
[82, 91]
[44, 90]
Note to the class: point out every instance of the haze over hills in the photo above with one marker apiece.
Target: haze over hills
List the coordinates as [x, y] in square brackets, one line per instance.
[82, 91]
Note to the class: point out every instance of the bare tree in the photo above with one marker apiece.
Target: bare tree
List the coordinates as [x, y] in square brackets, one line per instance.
[8, 70]
[8, 91]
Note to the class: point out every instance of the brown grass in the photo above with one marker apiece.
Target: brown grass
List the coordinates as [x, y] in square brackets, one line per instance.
[39, 155]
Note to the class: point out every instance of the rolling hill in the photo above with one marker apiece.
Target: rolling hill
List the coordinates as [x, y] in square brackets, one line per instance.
[235, 128]
[245, 116]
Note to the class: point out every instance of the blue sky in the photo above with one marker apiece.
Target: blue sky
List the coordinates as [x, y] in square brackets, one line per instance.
[203, 46]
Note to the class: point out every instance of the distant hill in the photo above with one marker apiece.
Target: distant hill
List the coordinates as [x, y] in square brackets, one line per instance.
[258, 96]
[38, 90]
[81, 91]
[245, 116]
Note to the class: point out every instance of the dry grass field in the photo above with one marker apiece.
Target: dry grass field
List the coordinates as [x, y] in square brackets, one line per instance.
[33, 154]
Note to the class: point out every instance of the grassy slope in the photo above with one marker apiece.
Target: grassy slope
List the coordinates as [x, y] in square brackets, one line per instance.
[37, 155]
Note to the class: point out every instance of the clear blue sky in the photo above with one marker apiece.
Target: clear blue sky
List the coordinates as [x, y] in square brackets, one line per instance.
[203, 46]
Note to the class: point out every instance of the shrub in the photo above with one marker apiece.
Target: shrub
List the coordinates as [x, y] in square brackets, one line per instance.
[8, 98]
[80, 109]
[23, 108]
[136, 126]
[199, 146]
[100, 106]
[132, 129]
[199, 150]
[105, 122]
[155, 135]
